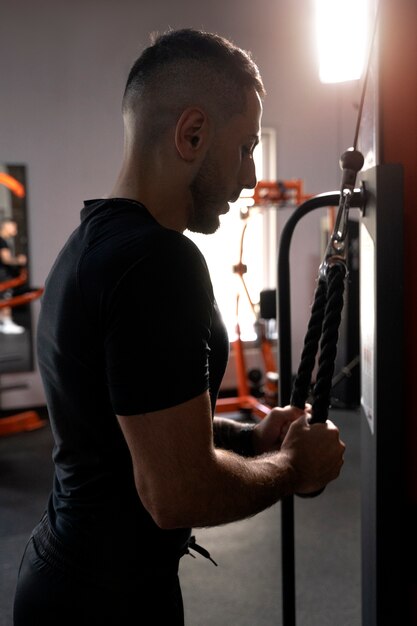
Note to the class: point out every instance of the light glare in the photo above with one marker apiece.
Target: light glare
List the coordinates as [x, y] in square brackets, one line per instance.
[342, 39]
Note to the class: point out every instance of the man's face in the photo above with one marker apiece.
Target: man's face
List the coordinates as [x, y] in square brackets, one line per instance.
[227, 168]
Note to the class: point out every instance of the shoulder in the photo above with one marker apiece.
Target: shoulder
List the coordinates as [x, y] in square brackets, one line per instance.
[123, 247]
[167, 258]
[123, 232]
[179, 250]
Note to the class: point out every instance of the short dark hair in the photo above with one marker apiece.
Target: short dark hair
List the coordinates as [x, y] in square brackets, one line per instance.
[187, 64]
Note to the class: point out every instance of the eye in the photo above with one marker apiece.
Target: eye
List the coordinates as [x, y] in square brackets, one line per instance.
[247, 150]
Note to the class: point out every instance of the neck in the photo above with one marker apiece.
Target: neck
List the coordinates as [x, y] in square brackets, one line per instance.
[163, 195]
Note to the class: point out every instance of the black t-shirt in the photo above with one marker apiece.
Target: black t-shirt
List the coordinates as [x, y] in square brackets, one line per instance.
[3, 244]
[128, 325]
[5, 270]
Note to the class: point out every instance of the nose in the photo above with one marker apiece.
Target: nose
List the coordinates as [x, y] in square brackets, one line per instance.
[248, 175]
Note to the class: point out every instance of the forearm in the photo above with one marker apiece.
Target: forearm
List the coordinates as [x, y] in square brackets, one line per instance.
[183, 480]
[231, 488]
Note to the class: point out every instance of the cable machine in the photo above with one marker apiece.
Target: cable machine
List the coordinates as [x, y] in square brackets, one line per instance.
[321, 342]
[385, 538]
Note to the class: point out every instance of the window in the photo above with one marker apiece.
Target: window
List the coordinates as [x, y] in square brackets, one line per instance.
[222, 249]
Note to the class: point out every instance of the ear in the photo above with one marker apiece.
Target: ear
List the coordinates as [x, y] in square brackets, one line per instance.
[191, 133]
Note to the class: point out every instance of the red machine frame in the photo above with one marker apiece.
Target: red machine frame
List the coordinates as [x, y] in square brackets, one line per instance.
[27, 420]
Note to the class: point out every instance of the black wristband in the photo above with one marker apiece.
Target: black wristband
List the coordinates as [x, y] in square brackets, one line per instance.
[244, 441]
[230, 435]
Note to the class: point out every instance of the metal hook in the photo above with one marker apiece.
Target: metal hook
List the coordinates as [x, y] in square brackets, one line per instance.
[351, 163]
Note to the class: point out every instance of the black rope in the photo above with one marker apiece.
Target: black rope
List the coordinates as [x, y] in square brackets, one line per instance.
[328, 347]
[302, 383]
[323, 329]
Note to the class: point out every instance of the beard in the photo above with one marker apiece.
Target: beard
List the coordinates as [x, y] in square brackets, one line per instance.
[208, 196]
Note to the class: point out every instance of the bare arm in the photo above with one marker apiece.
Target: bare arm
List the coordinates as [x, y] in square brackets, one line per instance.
[8, 259]
[184, 481]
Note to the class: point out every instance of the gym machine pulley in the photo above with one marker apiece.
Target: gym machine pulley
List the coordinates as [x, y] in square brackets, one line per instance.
[323, 328]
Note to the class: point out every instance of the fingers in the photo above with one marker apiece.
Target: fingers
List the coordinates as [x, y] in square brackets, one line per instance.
[316, 452]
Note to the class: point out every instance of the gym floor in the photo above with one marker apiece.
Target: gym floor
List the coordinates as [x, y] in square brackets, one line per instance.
[245, 588]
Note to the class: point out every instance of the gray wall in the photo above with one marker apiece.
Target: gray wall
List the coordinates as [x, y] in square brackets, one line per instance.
[62, 70]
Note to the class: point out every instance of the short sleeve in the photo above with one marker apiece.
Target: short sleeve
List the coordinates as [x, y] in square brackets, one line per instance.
[157, 329]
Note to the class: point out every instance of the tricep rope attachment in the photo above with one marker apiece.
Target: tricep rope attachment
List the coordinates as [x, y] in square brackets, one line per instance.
[326, 313]
[323, 328]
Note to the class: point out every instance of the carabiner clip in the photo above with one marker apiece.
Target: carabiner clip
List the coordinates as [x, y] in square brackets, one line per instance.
[336, 248]
[351, 163]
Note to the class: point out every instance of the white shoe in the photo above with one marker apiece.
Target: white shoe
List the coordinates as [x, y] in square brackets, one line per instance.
[8, 327]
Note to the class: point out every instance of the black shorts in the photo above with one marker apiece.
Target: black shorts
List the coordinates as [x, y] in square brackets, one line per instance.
[49, 596]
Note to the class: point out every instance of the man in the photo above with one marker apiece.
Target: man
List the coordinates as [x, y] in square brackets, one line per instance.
[132, 351]
[9, 263]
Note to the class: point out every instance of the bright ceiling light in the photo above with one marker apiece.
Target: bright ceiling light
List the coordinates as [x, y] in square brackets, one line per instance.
[342, 31]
